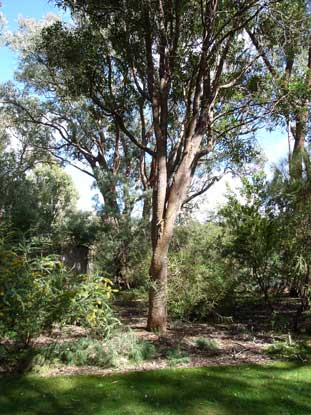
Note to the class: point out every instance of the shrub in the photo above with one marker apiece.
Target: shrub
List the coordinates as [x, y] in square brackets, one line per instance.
[31, 295]
[37, 291]
[117, 350]
[90, 305]
[78, 353]
[143, 350]
[197, 272]
[207, 345]
[295, 351]
[176, 357]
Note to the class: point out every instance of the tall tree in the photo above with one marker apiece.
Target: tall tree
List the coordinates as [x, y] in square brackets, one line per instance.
[180, 70]
[188, 63]
[70, 128]
[282, 36]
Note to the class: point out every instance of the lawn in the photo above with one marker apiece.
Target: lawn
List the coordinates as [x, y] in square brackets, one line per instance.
[236, 390]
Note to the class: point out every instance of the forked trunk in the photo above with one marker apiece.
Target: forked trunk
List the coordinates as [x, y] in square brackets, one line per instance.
[166, 204]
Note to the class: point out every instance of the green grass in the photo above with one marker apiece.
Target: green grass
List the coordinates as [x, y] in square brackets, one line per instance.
[279, 389]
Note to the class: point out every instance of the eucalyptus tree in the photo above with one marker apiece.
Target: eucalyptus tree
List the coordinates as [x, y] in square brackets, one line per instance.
[17, 159]
[172, 78]
[182, 68]
[282, 36]
[36, 199]
[70, 128]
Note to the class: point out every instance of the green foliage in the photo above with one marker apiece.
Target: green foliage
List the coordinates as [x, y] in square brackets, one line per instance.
[31, 294]
[198, 280]
[291, 350]
[253, 235]
[36, 203]
[90, 305]
[79, 228]
[208, 345]
[78, 353]
[55, 195]
[37, 292]
[292, 199]
[177, 357]
[144, 350]
[139, 296]
[123, 251]
[116, 351]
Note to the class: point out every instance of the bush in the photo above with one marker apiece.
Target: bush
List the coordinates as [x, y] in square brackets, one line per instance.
[31, 295]
[177, 357]
[197, 272]
[122, 251]
[120, 349]
[142, 351]
[37, 291]
[293, 351]
[78, 353]
[207, 345]
[90, 305]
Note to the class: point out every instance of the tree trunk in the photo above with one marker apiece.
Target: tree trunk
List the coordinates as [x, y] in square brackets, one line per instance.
[297, 159]
[166, 203]
[157, 317]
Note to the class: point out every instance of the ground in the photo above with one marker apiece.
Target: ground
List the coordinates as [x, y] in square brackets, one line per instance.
[239, 339]
[235, 378]
[236, 342]
[278, 389]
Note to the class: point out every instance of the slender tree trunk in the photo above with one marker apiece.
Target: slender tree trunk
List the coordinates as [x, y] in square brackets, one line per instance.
[300, 157]
[297, 159]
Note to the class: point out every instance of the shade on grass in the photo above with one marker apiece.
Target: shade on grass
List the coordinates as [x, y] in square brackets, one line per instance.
[241, 390]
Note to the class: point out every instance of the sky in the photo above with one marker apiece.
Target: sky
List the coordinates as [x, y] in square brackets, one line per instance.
[274, 144]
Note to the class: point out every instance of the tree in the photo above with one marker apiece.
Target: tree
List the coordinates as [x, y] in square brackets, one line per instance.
[71, 129]
[282, 36]
[36, 202]
[291, 199]
[179, 70]
[188, 63]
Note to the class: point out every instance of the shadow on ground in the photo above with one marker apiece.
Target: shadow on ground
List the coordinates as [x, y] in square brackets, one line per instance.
[241, 390]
